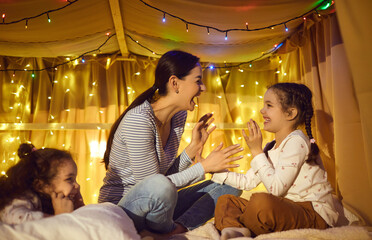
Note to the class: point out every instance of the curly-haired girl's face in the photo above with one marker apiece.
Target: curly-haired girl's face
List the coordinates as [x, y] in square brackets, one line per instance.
[65, 180]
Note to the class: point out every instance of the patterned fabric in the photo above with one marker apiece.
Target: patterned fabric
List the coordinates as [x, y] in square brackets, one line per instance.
[21, 210]
[287, 174]
[137, 152]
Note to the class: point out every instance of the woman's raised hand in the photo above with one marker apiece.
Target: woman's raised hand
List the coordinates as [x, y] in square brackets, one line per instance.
[200, 134]
[254, 139]
[61, 203]
[219, 159]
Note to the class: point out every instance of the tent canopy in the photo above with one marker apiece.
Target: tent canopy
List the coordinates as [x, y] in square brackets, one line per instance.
[79, 27]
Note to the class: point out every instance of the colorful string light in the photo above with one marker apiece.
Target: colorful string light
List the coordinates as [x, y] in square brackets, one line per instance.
[39, 15]
[324, 4]
[68, 60]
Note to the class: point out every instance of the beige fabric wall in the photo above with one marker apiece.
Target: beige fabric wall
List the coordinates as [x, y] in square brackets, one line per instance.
[355, 23]
[316, 56]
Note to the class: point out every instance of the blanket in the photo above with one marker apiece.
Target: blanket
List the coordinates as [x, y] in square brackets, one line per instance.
[91, 222]
[209, 232]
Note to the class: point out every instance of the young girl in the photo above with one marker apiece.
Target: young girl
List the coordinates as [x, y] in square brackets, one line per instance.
[42, 183]
[299, 195]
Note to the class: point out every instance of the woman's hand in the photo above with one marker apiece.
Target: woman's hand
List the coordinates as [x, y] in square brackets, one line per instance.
[200, 134]
[61, 203]
[219, 159]
[254, 140]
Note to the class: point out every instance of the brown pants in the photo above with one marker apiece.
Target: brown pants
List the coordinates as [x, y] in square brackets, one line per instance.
[265, 213]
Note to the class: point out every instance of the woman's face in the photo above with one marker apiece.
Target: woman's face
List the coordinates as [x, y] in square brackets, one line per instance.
[190, 87]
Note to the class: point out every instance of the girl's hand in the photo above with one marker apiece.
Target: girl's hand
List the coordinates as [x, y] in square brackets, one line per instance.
[200, 134]
[61, 203]
[254, 140]
[219, 159]
[78, 200]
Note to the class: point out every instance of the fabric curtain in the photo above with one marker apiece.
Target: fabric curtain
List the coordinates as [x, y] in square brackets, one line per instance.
[316, 56]
[355, 20]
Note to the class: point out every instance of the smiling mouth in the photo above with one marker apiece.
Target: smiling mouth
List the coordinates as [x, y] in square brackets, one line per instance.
[266, 120]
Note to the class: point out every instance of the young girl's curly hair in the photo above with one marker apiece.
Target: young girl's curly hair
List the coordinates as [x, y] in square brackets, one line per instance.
[35, 169]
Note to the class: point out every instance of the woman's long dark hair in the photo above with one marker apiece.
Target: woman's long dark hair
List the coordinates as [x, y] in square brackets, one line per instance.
[35, 169]
[298, 96]
[177, 63]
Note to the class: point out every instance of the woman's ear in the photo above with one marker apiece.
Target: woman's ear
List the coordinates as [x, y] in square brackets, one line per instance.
[173, 83]
[292, 114]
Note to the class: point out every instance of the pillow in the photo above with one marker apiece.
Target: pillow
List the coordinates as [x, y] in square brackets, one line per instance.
[105, 221]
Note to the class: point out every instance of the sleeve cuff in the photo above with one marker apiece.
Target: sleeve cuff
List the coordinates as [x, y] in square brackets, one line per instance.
[219, 177]
[259, 161]
[185, 157]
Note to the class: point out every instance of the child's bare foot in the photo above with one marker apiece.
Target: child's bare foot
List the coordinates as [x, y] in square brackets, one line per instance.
[163, 236]
[234, 232]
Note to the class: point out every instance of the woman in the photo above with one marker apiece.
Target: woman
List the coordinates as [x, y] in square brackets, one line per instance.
[143, 170]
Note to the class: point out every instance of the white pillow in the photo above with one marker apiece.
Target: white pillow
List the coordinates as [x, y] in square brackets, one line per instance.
[105, 221]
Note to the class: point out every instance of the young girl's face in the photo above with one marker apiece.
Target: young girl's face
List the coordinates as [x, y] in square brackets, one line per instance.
[65, 180]
[274, 117]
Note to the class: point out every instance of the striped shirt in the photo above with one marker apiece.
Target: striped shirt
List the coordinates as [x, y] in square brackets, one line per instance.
[137, 152]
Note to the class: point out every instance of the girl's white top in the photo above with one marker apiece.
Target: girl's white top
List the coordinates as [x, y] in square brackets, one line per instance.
[22, 209]
[287, 174]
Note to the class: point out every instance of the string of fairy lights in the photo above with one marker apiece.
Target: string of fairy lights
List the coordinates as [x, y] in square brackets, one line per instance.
[26, 19]
[324, 4]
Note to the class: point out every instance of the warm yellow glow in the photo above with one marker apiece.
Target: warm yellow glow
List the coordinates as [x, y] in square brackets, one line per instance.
[137, 73]
[188, 139]
[108, 61]
[239, 120]
[97, 149]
